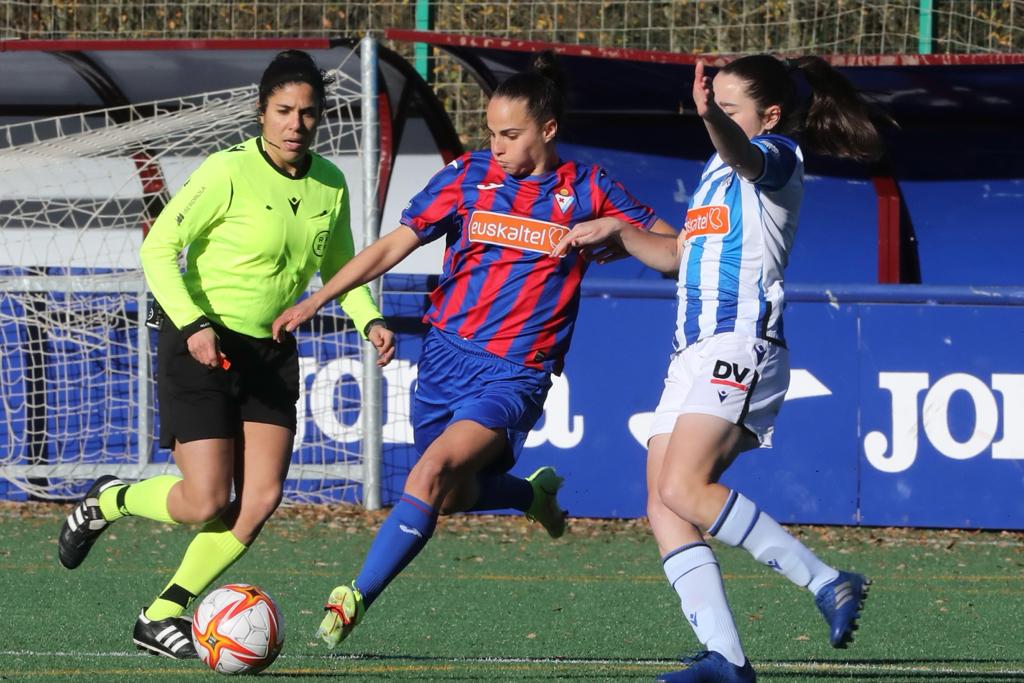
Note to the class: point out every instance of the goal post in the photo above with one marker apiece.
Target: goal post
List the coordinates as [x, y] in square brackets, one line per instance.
[77, 390]
[372, 384]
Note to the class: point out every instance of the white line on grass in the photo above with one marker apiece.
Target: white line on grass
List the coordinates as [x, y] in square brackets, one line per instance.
[767, 666]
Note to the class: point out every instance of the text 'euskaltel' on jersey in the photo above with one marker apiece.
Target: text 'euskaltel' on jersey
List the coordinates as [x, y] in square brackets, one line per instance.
[516, 232]
[706, 220]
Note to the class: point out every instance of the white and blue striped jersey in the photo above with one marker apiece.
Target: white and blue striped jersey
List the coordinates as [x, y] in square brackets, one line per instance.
[737, 235]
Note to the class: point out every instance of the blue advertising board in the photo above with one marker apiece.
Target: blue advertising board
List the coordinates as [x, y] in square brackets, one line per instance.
[900, 411]
[905, 406]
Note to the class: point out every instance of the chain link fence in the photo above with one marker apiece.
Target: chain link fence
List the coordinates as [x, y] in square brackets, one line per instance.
[705, 26]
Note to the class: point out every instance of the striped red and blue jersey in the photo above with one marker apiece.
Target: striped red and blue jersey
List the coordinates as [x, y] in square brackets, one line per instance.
[499, 288]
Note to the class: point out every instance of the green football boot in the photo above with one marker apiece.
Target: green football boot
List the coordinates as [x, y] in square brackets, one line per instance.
[545, 508]
[344, 610]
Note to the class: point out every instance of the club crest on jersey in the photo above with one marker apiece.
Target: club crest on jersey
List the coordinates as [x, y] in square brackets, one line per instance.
[515, 232]
[706, 220]
[564, 199]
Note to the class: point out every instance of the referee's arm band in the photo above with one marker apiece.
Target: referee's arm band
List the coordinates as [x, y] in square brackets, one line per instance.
[200, 323]
[376, 321]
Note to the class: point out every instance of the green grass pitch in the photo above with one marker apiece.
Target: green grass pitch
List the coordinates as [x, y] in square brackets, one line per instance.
[492, 598]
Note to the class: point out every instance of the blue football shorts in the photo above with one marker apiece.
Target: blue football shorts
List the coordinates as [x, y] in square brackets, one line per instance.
[458, 380]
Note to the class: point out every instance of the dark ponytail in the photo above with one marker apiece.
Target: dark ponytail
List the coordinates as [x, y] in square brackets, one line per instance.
[835, 122]
[541, 87]
[293, 66]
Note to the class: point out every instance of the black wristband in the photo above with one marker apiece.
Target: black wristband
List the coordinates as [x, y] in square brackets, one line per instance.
[200, 323]
[376, 321]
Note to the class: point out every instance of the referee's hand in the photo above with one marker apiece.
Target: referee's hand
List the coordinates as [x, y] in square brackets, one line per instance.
[384, 340]
[203, 347]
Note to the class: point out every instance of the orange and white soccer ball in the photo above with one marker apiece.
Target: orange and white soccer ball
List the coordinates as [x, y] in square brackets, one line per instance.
[237, 629]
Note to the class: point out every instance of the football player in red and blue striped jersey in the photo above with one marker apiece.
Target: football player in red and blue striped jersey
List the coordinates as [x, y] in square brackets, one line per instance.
[501, 321]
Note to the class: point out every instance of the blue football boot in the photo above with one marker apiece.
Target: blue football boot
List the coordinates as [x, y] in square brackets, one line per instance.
[710, 667]
[840, 602]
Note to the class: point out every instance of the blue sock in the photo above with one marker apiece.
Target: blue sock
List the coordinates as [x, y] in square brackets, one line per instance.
[402, 536]
[498, 492]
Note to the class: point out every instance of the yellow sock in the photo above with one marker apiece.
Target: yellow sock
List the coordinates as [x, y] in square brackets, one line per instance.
[147, 498]
[210, 553]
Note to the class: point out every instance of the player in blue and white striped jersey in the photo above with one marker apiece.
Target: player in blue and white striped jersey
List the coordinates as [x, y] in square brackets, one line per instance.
[729, 375]
[737, 238]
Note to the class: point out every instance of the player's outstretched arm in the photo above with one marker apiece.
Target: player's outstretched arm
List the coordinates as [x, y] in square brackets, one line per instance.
[731, 143]
[657, 248]
[367, 265]
[612, 249]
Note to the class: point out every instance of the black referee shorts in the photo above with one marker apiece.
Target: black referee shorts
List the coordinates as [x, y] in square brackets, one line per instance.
[198, 402]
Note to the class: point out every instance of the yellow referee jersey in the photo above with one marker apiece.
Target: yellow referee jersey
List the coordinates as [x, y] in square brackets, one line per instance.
[255, 237]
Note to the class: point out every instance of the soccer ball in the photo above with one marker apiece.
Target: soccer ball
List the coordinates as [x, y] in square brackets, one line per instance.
[237, 629]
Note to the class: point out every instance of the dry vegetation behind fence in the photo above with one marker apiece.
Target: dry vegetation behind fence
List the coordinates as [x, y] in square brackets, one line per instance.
[707, 26]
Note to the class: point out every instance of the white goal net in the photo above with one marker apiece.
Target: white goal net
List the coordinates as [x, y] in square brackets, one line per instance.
[77, 395]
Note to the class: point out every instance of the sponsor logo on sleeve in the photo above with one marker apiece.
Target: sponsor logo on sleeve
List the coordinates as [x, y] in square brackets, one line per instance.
[515, 232]
[706, 220]
[191, 202]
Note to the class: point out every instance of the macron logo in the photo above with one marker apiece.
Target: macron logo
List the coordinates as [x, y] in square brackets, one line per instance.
[409, 530]
[490, 186]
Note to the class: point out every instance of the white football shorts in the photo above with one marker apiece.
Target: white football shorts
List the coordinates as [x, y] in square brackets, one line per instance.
[731, 376]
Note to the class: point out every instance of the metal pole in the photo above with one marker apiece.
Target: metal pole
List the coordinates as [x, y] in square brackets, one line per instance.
[371, 389]
[924, 31]
[421, 50]
[145, 443]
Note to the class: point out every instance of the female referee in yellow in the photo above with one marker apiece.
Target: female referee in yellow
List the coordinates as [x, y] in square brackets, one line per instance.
[259, 219]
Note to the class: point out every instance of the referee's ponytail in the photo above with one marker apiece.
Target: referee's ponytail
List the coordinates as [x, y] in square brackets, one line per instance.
[541, 87]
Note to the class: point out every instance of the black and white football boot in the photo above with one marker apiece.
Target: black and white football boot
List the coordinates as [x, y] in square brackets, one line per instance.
[85, 524]
[170, 637]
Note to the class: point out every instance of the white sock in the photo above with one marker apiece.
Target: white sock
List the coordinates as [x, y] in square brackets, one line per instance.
[694, 573]
[740, 523]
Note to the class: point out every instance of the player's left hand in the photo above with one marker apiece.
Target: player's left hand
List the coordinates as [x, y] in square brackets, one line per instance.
[703, 92]
[588, 234]
[383, 340]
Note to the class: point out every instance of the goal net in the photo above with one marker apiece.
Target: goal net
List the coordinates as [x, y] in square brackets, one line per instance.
[77, 393]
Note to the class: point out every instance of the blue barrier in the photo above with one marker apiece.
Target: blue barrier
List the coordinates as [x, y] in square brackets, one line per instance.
[844, 293]
[904, 408]
[900, 411]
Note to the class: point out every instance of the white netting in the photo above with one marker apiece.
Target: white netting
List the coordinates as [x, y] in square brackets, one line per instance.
[77, 396]
[725, 26]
